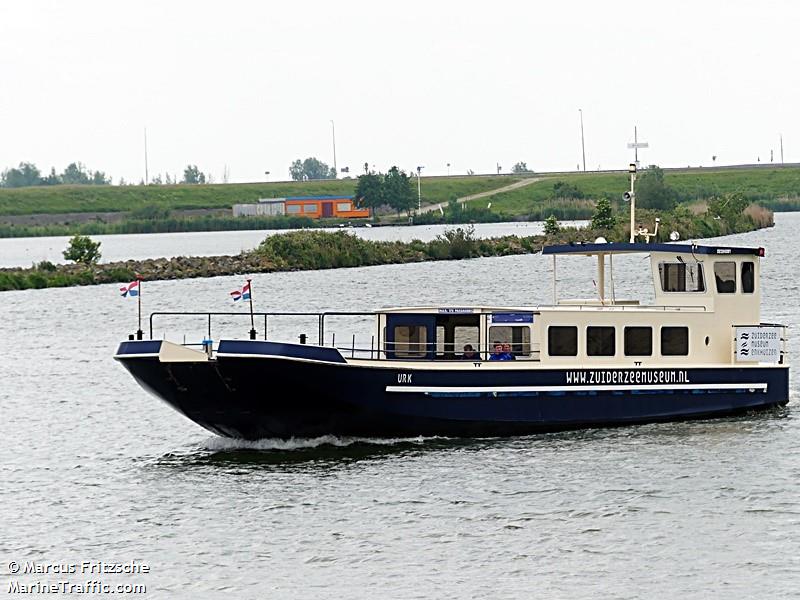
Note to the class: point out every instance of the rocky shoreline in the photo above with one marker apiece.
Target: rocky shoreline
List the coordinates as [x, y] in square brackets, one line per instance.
[315, 249]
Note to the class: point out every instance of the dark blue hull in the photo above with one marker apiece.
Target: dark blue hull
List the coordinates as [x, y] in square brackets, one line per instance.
[265, 395]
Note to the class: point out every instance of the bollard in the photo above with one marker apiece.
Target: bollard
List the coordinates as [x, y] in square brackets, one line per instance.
[303, 337]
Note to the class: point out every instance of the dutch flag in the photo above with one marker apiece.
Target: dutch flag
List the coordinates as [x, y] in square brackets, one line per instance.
[132, 289]
[243, 294]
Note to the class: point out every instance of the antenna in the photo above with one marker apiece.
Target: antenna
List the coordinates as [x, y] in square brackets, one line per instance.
[636, 144]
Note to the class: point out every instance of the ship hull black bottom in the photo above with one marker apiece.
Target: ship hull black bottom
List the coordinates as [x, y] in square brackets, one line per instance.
[286, 396]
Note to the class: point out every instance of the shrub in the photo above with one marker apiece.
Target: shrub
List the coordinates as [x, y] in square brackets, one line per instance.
[82, 250]
[551, 225]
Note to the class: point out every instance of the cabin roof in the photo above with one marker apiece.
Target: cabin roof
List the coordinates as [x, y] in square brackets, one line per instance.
[591, 249]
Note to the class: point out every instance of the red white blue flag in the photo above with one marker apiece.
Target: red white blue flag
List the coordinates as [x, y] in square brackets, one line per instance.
[132, 289]
[243, 294]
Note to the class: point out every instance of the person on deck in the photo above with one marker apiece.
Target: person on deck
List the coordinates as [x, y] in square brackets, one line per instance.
[498, 353]
[469, 353]
[509, 355]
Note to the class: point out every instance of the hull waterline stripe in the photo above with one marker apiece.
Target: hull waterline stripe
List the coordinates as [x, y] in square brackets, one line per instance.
[419, 389]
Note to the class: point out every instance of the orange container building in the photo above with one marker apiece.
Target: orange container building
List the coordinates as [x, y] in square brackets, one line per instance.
[320, 207]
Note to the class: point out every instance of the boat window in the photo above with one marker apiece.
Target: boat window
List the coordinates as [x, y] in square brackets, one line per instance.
[293, 209]
[466, 334]
[748, 277]
[674, 341]
[600, 341]
[309, 208]
[681, 277]
[410, 341]
[518, 336]
[725, 276]
[562, 341]
[441, 347]
[638, 341]
[342, 206]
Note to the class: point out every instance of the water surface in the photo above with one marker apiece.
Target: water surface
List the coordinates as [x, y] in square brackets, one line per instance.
[95, 469]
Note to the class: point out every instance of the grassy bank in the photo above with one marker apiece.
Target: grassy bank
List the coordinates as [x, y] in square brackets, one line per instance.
[307, 250]
[165, 225]
[107, 198]
[774, 188]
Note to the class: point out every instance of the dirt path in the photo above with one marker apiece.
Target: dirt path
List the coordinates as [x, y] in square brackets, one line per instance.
[463, 199]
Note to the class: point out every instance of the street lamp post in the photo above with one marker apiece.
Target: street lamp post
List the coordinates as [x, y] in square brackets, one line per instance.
[333, 135]
[419, 188]
[583, 148]
[448, 169]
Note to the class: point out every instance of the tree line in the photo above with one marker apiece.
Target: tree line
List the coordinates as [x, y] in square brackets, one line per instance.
[27, 174]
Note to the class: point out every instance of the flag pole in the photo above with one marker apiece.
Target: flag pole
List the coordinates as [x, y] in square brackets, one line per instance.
[139, 333]
[252, 318]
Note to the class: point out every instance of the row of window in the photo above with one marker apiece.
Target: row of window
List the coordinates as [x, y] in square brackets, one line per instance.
[602, 340]
[562, 340]
[312, 207]
[410, 341]
[688, 277]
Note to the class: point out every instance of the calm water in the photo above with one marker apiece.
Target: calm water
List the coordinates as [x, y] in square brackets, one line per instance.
[22, 252]
[94, 469]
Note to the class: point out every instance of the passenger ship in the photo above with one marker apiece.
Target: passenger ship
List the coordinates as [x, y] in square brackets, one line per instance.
[700, 350]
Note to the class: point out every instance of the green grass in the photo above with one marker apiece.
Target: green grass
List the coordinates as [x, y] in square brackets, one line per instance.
[763, 185]
[91, 198]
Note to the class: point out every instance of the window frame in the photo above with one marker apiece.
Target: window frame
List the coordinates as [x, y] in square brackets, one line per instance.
[752, 276]
[661, 340]
[625, 339]
[421, 343]
[524, 345]
[663, 276]
[550, 332]
[590, 328]
[717, 279]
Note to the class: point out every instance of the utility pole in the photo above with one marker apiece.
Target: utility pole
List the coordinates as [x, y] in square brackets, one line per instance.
[419, 188]
[583, 148]
[146, 175]
[631, 197]
[333, 134]
[781, 148]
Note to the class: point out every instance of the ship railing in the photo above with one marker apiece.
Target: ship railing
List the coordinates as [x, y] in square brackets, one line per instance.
[609, 306]
[261, 322]
[264, 326]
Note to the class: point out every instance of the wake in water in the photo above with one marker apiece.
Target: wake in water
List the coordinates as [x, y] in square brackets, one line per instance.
[220, 444]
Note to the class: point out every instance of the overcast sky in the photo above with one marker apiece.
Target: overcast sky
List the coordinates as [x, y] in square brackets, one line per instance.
[255, 85]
